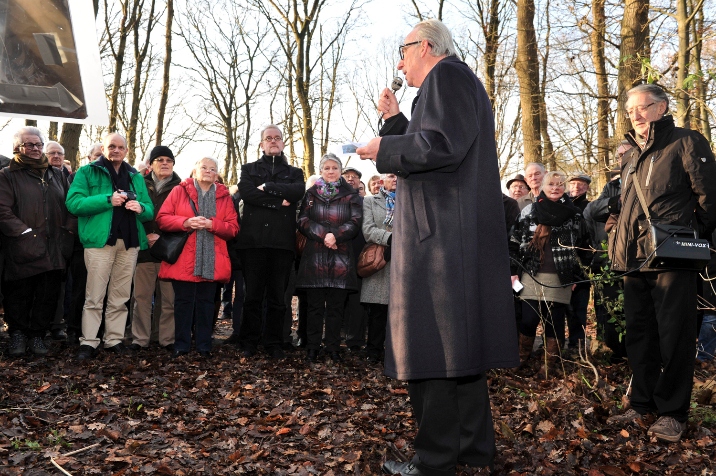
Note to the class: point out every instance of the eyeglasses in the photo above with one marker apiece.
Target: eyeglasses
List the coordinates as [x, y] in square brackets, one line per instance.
[54, 153]
[162, 161]
[640, 109]
[273, 139]
[402, 47]
[31, 145]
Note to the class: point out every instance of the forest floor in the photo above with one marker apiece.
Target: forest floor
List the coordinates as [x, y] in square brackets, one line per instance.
[148, 414]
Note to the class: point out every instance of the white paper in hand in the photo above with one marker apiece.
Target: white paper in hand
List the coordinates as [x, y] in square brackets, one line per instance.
[517, 286]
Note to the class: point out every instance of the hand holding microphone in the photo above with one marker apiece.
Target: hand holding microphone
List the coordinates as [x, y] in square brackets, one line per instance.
[387, 102]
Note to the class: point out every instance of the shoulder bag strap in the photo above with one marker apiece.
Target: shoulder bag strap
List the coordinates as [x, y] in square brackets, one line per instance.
[640, 194]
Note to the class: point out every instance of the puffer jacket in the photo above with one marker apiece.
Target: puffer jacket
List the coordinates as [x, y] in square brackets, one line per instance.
[320, 266]
[266, 223]
[677, 173]
[564, 241]
[26, 201]
[157, 200]
[174, 213]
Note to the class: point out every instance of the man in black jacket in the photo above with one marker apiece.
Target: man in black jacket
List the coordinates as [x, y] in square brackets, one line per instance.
[270, 189]
[577, 310]
[675, 169]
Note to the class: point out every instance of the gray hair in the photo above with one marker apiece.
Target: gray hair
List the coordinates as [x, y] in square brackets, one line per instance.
[27, 130]
[656, 92]
[438, 36]
[198, 163]
[93, 147]
[270, 126]
[54, 142]
[107, 136]
[332, 157]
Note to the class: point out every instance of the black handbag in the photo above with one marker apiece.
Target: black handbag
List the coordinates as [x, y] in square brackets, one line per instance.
[170, 244]
[672, 246]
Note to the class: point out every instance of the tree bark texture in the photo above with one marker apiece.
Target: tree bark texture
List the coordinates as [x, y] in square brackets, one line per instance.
[527, 67]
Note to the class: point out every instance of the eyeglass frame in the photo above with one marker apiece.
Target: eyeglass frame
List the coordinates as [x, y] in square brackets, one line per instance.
[641, 109]
[272, 139]
[55, 152]
[32, 145]
[166, 160]
[401, 53]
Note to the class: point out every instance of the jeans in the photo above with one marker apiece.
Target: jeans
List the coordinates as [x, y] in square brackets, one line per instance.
[707, 338]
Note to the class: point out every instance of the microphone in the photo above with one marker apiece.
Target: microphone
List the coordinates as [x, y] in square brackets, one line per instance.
[395, 86]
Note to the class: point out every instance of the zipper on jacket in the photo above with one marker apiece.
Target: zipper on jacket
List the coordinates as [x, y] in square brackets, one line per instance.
[651, 166]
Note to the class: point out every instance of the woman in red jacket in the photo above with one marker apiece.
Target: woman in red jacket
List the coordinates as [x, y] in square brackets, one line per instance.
[204, 261]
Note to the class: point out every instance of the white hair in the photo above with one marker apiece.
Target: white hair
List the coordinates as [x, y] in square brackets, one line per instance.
[198, 163]
[26, 130]
[438, 36]
[334, 158]
[54, 142]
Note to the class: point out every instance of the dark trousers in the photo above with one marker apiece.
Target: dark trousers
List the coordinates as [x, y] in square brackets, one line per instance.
[235, 308]
[266, 273]
[355, 319]
[550, 313]
[377, 322]
[193, 307]
[577, 314]
[660, 310]
[78, 270]
[30, 303]
[454, 424]
[328, 302]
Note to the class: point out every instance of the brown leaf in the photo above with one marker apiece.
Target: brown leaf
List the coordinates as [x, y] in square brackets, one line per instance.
[528, 429]
[305, 429]
[612, 471]
[44, 387]
[506, 431]
[635, 466]
[236, 457]
[398, 391]
[624, 433]
[283, 431]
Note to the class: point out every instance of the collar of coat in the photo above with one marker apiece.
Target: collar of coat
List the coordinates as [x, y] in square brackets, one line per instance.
[344, 189]
[174, 181]
[188, 184]
[658, 130]
[100, 164]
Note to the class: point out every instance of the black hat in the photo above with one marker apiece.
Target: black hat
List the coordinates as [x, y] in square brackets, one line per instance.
[352, 169]
[160, 151]
[518, 178]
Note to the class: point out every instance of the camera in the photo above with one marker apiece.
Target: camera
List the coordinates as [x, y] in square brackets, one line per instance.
[129, 194]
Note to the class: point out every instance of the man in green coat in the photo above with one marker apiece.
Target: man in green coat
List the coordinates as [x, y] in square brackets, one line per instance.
[111, 201]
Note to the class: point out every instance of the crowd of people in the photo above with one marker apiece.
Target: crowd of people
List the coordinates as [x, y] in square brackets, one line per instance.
[80, 252]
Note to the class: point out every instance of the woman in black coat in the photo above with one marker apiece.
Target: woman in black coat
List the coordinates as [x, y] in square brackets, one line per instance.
[544, 242]
[331, 215]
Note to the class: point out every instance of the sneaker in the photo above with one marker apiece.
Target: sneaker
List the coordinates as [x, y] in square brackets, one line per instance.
[629, 416]
[86, 352]
[667, 428]
[37, 346]
[18, 343]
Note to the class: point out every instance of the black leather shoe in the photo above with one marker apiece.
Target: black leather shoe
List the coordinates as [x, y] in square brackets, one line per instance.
[135, 347]
[86, 352]
[169, 347]
[336, 356]
[59, 334]
[178, 353]
[311, 355]
[404, 469]
[119, 349]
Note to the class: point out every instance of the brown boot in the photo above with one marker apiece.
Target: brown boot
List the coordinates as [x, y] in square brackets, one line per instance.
[552, 368]
[526, 345]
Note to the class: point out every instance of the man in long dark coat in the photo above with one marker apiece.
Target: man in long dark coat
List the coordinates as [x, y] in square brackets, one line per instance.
[451, 313]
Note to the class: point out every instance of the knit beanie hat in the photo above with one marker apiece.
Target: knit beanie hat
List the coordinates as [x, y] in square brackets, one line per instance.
[160, 151]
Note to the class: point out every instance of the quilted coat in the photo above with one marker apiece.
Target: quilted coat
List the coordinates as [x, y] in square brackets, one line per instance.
[173, 214]
[322, 267]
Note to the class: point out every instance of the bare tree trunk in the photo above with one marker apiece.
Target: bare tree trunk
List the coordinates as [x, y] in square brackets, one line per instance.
[52, 131]
[682, 96]
[702, 115]
[125, 26]
[527, 67]
[598, 59]
[165, 77]
[634, 45]
[70, 140]
[140, 70]
[548, 155]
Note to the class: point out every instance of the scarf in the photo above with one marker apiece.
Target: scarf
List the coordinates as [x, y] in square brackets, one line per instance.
[389, 206]
[36, 166]
[160, 184]
[327, 190]
[124, 222]
[204, 259]
[549, 214]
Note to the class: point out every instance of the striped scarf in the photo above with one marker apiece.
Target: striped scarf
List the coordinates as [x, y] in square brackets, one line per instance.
[389, 206]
